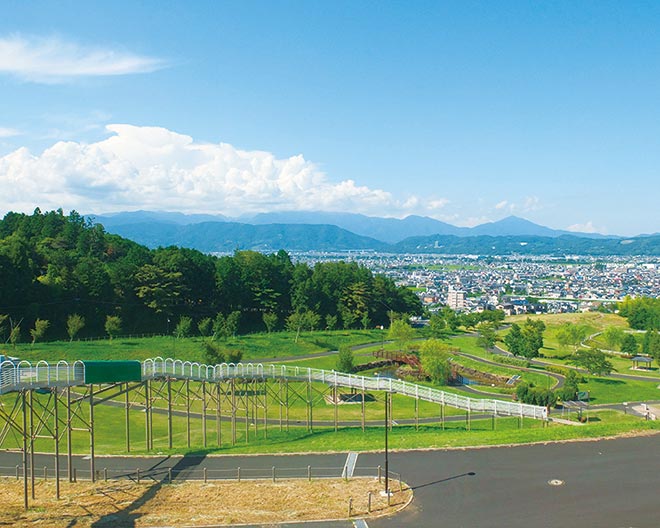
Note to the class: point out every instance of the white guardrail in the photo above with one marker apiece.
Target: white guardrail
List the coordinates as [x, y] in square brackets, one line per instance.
[24, 375]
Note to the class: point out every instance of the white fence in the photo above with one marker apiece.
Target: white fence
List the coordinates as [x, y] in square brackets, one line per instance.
[24, 375]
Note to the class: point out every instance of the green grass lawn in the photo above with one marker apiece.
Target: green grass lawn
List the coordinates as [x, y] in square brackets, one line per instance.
[110, 437]
[255, 347]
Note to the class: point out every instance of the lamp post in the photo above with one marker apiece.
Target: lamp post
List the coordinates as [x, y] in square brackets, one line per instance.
[387, 462]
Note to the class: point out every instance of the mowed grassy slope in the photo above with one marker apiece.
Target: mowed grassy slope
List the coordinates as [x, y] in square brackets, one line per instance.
[255, 347]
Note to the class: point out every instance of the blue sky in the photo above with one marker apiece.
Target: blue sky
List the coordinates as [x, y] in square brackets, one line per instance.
[464, 111]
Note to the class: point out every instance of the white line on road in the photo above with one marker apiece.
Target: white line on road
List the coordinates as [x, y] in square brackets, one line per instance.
[360, 523]
[349, 466]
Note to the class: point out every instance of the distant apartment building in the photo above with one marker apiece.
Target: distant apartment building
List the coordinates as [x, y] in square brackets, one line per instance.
[456, 299]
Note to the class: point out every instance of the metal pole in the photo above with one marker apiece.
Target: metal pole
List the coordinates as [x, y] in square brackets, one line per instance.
[286, 410]
[146, 414]
[25, 448]
[169, 413]
[69, 454]
[247, 412]
[265, 382]
[57, 443]
[204, 413]
[334, 391]
[31, 405]
[128, 426]
[188, 412]
[280, 399]
[363, 407]
[218, 415]
[233, 412]
[91, 432]
[387, 461]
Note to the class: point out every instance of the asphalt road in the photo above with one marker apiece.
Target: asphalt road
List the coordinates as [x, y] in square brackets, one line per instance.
[609, 483]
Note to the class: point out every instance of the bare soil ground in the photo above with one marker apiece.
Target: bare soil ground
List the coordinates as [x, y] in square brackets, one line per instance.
[126, 503]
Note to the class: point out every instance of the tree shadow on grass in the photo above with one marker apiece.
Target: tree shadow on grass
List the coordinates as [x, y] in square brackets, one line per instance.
[128, 516]
[608, 381]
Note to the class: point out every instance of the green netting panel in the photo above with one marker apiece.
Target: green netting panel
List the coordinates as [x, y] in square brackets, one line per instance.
[112, 371]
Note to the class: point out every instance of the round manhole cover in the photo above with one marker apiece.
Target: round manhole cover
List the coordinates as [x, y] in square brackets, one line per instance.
[555, 482]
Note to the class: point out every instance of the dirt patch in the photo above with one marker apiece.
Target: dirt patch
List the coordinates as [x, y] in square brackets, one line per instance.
[125, 503]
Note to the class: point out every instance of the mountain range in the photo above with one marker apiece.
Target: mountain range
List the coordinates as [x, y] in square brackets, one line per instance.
[325, 231]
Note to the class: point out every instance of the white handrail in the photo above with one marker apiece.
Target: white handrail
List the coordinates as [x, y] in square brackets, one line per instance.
[24, 375]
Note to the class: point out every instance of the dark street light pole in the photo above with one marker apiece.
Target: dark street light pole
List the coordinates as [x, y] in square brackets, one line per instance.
[387, 462]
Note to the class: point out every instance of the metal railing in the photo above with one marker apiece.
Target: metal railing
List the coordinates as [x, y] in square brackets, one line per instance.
[24, 375]
[171, 474]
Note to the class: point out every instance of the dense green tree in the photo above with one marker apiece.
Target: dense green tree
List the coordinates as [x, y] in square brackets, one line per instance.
[74, 324]
[53, 265]
[3, 318]
[642, 313]
[113, 325]
[593, 360]
[571, 334]
[330, 322]
[205, 327]
[514, 340]
[487, 336]
[437, 326]
[651, 344]
[434, 355]
[401, 333]
[613, 336]
[451, 318]
[39, 330]
[183, 327]
[345, 360]
[629, 345]
[532, 337]
[270, 321]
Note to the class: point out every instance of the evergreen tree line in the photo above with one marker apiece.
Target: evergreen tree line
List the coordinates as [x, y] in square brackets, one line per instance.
[642, 313]
[62, 275]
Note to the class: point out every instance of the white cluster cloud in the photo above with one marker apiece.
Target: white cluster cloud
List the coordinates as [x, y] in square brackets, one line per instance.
[587, 227]
[156, 169]
[6, 132]
[53, 60]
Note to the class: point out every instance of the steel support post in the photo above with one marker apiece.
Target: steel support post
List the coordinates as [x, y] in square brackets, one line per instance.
[56, 434]
[31, 406]
[188, 412]
[91, 433]
[363, 407]
[309, 406]
[279, 394]
[286, 409]
[265, 384]
[25, 448]
[218, 415]
[247, 412]
[334, 396]
[391, 409]
[416, 414]
[69, 452]
[127, 421]
[233, 412]
[204, 413]
[169, 413]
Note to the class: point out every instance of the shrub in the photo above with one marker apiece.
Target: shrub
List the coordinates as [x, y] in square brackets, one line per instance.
[509, 360]
[345, 361]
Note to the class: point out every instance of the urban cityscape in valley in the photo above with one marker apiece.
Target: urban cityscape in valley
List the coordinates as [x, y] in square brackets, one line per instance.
[515, 284]
[342, 264]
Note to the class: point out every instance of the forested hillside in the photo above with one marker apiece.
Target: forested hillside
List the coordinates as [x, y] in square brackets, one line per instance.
[54, 266]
